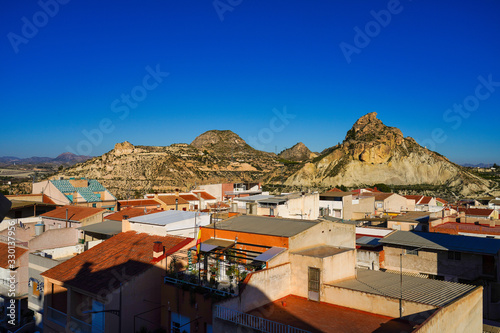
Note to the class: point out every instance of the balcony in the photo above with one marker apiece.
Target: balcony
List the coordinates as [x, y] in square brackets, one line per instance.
[254, 322]
[56, 316]
[75, 325]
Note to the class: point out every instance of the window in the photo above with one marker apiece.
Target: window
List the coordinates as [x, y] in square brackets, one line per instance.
[94, 205]
[452, 255]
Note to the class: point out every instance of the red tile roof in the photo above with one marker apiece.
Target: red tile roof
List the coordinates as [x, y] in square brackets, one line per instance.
[417, 198]
[205, 195]
[75, 213]
[455, 228]
[169, 199]
[425, 201]
[130, 212]
[476, 211]
[137, 202]
[335, 190]
[442, 201]
[4, 251]
[189, 197]
[118, 259]
[382, 196]
[218, 205]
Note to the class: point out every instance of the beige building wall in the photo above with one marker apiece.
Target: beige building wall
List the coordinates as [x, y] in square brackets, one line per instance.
[363, 205]
[333, 268]
[325, 233]
[347, 207]
[403, 226]
[263, 287]
[462, 316]
[47, 188]
[395, 204]
[381, 305]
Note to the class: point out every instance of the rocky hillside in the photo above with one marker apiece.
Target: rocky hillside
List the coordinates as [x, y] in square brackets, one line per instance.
[374, 153]
[371, 153]
[214, 156]
[297, 153]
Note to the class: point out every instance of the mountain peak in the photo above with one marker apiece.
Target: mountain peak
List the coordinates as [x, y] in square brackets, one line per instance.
[213, 138]
[370, 128]
[299, 152]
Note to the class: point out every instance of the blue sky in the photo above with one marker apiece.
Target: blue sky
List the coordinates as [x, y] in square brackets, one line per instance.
[274, 72]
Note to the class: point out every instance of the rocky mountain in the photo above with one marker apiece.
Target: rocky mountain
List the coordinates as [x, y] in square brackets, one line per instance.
[371, 153]
[298, 153]
[64, 158]
[375, 153]
[214, 156]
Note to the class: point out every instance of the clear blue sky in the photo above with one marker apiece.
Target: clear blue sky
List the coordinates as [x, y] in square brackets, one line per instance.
[74, 72]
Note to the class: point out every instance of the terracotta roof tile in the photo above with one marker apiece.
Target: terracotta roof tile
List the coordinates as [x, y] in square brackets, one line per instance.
[205, 195]
[189, 197]
[138, 202]
[4, 251]
[75, 213]
[425, 201]
[118, 259]
[382, 196]
[417, 198]
[476, 211]
[169, 199]
[442, 201]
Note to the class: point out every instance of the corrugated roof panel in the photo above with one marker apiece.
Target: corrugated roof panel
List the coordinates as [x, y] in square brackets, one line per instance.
[266, 225]
[432, 292]
[269, 254]
[444, 242]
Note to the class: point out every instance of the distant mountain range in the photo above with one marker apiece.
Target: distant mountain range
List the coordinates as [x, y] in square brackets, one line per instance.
[480, 165]
[64, 158]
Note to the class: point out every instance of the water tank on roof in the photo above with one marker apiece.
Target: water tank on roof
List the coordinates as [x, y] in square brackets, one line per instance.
[39, 229]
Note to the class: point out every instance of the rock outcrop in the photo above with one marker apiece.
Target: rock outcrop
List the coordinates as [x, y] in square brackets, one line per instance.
[298, 153]
[374, 153]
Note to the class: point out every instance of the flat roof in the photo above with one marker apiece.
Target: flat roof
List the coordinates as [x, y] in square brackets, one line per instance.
[443, 242]
[322, 251]
[273, 200]
[107, 228]
[368, 241]
[252, 198]
[272, 226]
[415, 289]
[166, 217]
[324, 317]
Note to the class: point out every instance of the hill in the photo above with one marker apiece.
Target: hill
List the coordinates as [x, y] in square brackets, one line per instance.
[375, 153]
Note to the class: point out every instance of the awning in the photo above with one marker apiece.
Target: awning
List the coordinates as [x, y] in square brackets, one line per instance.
[106, 228]
[269, 254]
[213, 243]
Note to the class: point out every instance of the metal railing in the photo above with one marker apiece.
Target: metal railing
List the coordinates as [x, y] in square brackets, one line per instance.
[168, 279]
[56, 316]
[254, 322]
[77, 325]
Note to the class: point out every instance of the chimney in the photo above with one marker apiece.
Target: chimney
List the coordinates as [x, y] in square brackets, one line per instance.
[157, 249]
[125, 223]
[156, 195]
